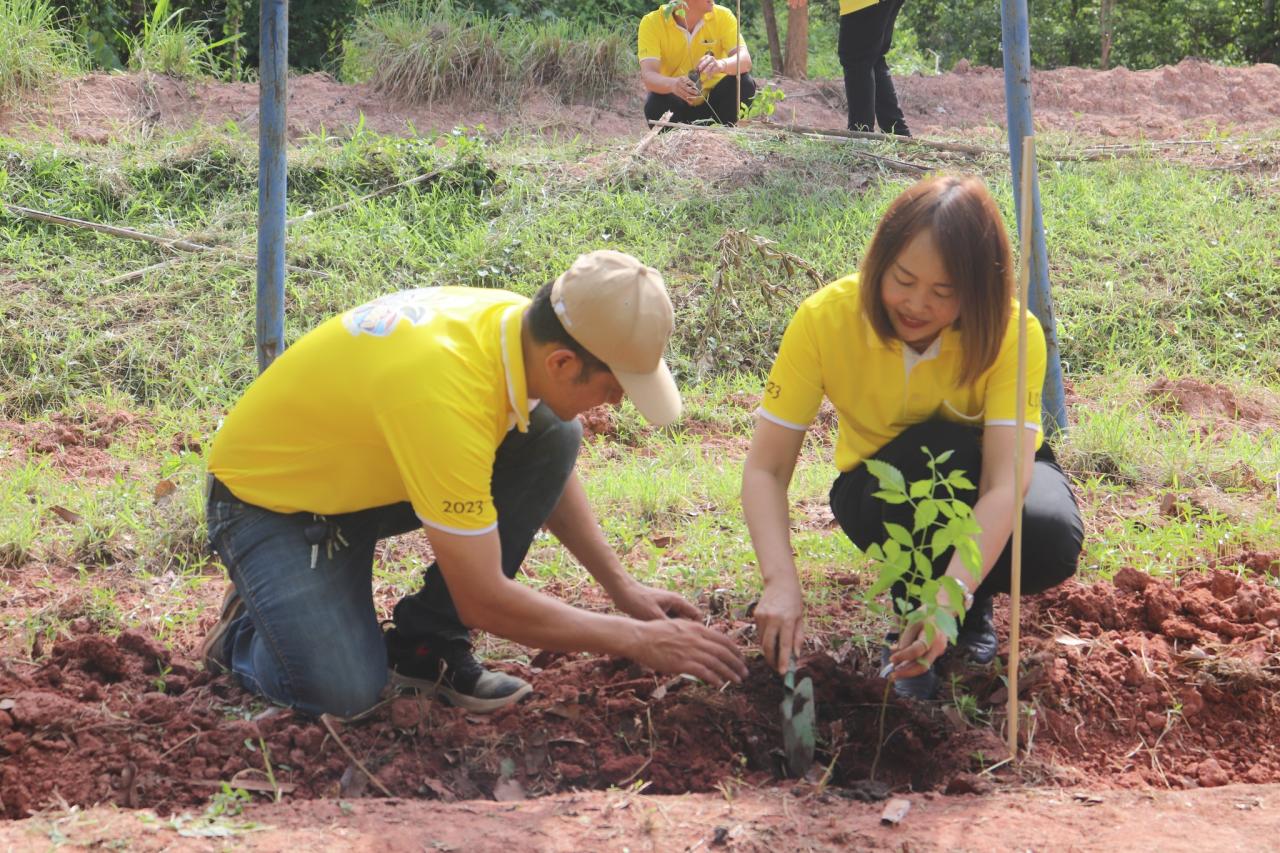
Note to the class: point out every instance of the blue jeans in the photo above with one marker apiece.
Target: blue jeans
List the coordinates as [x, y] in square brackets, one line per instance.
[310, 637]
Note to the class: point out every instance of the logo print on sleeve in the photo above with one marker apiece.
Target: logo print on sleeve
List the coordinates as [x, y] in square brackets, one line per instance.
[381, 316]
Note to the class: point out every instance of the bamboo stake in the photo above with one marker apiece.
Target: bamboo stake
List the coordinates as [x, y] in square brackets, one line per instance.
[737, 52]
[1019, 461]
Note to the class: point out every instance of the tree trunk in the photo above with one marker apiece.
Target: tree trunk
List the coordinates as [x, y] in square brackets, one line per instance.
[796, 65]
[1104, 20]
[771, 31]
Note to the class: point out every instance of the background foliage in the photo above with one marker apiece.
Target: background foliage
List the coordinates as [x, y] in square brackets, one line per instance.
[1145, 33]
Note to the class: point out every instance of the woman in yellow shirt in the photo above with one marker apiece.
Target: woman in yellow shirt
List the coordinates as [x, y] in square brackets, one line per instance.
[919, 349]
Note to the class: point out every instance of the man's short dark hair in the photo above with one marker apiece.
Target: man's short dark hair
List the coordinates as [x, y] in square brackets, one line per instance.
[546, 328]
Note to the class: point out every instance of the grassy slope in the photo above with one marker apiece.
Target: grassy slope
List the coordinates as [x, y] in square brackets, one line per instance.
[1158, 270]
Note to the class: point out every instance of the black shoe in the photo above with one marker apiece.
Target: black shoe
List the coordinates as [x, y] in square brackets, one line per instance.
[448, 669]
[976, 638]
[922, 687]
[213, 650]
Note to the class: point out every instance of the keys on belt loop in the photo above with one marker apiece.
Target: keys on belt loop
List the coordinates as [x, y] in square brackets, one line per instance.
[322, 530]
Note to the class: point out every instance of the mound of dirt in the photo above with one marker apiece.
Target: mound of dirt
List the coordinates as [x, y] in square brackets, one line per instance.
[1174, 102]
[1147, 682]
[1142, 682]
[1214, 406]
[122, 721]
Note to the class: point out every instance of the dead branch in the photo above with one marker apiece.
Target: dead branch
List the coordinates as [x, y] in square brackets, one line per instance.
[328, 724]
[130, 234]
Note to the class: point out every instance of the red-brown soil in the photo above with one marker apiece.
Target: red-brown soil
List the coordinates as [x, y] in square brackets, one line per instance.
[1189, 100]
[1140, 683]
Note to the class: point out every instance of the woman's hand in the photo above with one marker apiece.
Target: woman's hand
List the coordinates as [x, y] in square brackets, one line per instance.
[914, 654]
[780, 622]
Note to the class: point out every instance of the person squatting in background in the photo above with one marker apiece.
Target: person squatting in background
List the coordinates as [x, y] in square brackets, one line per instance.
[691, 64]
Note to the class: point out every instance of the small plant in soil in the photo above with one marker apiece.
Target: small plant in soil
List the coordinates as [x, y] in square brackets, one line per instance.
[939, 521]
[906, 557]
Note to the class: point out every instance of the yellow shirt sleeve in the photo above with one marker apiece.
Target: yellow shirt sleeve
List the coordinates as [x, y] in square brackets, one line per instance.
[1002, 381]
[649, 38]
[446, 462]
[794, 390]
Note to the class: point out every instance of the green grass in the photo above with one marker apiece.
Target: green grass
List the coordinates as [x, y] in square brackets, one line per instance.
[423, 50]
[169, 45]
[36, 52]
[1160, 270]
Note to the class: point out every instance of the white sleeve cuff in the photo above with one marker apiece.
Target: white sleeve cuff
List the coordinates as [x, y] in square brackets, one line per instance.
[780, 422]
[1033, 426]
[457, 530]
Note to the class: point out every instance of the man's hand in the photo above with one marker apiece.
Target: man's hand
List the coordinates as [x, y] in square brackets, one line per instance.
[709, 66]
[914, 654]
[685, 89]
[679, 646]
[780, 622]
[647, 603]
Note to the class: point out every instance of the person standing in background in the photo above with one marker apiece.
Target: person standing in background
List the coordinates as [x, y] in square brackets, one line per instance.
[866, 35]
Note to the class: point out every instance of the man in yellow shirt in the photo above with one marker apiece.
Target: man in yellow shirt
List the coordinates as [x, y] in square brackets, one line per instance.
[453, 410]
[691, 62]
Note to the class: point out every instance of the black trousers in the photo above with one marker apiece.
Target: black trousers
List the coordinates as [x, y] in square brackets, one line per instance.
[865, 38]
[720, 105]
[1052, 532]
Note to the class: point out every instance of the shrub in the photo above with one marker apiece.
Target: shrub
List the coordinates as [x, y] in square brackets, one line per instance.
[166, 45]
[35, 49]
[421, 50]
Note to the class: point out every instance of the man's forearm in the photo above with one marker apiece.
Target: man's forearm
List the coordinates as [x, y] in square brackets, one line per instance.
[657, 83]
[532, 619]
[575, 525]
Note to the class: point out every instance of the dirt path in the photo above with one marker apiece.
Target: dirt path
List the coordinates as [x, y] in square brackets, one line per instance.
[1236, 818]
[1190, 100]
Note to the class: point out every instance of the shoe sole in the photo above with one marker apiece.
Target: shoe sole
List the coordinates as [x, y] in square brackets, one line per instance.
[232, 607]
[436, 689]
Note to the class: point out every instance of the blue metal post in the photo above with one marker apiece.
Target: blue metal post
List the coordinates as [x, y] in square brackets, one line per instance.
[273, 70]
[1017, 94]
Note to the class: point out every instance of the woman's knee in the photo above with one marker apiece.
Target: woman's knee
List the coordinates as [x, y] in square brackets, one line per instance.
[1054, 541]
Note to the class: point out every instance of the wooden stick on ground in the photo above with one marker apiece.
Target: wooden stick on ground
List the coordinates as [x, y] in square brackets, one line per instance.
[958, 147]
[130, 234]
[326, 719]
[652, 134]
[1019, 460]
[899, 165]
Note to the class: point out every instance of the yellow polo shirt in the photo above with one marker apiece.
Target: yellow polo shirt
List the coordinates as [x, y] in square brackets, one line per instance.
[678, 50]
[405, 398]
[879, 389]
[847, 6]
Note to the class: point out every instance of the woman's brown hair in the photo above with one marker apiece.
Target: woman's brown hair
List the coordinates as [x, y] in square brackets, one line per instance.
[970, 237]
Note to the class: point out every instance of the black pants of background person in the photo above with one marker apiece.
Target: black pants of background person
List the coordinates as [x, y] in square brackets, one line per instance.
[1052, 532]
[720, 105]
[865, 38]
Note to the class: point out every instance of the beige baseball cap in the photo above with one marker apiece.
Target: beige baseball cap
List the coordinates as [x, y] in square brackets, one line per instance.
[619, 310]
